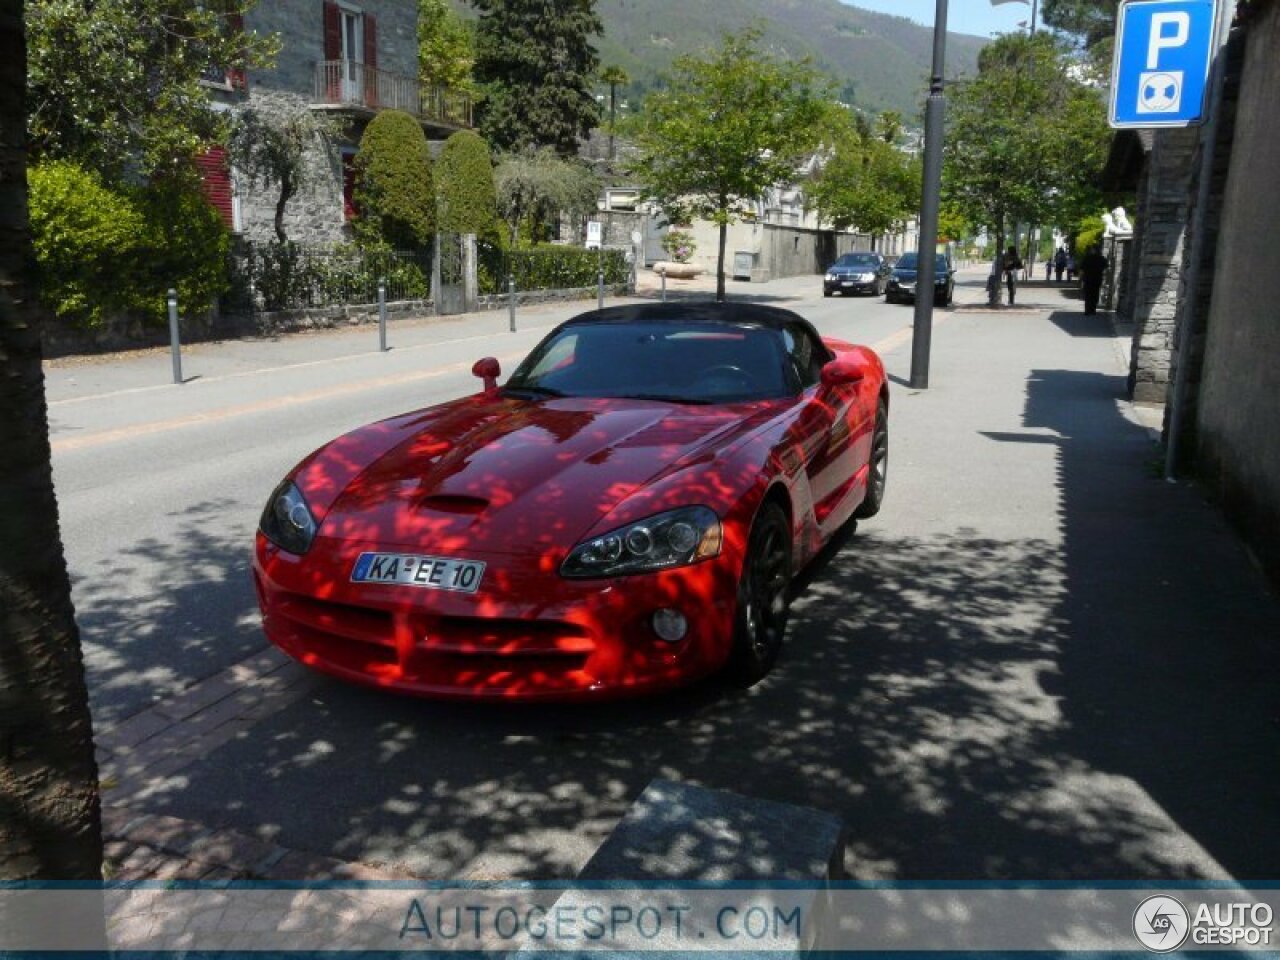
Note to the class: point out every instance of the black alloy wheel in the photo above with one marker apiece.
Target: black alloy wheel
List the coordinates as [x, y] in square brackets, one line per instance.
[764, 601]
[878, 472]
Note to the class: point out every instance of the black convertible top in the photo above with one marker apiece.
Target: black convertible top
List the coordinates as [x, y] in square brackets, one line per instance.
[699, 311]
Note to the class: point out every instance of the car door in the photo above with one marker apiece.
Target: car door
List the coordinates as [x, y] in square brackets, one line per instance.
[824, 426]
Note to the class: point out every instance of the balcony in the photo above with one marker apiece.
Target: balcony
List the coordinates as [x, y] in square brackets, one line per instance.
[345, 84]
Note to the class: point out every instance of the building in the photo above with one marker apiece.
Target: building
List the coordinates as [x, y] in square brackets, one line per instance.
[351, 59]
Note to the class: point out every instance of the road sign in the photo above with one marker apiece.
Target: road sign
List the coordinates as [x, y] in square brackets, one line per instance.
[1164, 49]
[593, 235]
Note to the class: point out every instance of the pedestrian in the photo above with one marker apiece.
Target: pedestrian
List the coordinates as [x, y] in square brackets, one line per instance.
[1060, 262]
[1093, 267]
[1048, 269]
[1012, 264]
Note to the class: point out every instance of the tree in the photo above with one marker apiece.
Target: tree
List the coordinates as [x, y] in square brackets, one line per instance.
[446, 48]
[1091, 20]
[729, 126]
[1026, 140]
[869, 186]
[270, 142]
[536, 182]
[888, 126]
[394, 194]
[118, 83]
[49, 804]
[536, 67]
[467, 201]
[615, 77]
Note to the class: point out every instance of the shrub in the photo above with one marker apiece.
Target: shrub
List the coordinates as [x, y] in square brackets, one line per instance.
[105, 250]
[549, 267]
[468, 202]
[393, 191]
[290, 276]
[679, 245]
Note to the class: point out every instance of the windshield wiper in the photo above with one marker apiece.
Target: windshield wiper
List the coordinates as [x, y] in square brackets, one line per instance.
[669, 398]
[534, 390]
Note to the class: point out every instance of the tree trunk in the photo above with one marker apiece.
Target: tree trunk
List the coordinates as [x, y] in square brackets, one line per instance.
[49, 814]
[286, 192]
[724, 239]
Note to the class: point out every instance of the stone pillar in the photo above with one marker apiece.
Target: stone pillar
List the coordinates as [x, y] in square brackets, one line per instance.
[1164, 225]
[470, 274]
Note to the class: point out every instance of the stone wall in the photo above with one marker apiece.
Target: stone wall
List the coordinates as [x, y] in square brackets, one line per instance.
[1238, 436]
[1162, 222]
[300, 24]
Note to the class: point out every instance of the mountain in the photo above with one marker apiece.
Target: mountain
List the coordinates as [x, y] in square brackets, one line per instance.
[879, 61]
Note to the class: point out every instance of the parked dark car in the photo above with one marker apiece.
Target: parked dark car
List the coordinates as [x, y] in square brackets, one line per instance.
[856, 272]
[902, 281]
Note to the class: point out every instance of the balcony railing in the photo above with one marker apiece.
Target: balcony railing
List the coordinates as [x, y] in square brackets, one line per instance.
[351, 84]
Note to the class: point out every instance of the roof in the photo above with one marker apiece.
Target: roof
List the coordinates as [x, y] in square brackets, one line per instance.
[702, 311]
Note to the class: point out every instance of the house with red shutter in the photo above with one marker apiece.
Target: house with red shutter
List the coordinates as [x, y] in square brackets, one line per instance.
[348, 57]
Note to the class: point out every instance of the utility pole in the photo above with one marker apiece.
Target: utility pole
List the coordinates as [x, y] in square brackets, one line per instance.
[922, 329]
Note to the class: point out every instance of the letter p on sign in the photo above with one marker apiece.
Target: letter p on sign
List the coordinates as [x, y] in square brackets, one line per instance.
[1163, 40]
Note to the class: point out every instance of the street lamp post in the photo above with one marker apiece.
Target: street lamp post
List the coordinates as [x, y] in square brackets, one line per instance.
[922, 330]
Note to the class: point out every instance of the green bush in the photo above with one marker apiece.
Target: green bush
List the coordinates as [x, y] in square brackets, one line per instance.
[468, 202]
[289, 276]
[393, 191]
[549, 267]
[108, 251]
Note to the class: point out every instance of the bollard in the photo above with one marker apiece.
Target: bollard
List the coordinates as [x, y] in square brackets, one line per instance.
[600, 290]
[174, 343]
[663, 274]
[382, 314]
[511, 301]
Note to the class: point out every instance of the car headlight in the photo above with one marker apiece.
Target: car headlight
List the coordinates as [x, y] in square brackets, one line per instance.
[831, 276]
[287, 521]
[672, 539]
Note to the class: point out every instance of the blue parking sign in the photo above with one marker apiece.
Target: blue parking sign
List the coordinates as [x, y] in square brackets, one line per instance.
[1164, 49]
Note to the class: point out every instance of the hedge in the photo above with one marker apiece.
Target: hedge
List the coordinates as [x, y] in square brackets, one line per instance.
[549, 267]
[468, 202]
[394, 193]
[107, 251]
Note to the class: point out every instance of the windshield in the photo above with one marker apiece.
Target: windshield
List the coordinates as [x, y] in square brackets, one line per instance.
[908, 262]
[682, 363]
[858, 260]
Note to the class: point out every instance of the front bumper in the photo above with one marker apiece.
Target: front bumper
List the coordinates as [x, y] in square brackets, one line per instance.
[848, 286]
[526, 634]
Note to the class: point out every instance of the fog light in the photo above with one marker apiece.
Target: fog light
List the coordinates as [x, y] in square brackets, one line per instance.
[670, 625]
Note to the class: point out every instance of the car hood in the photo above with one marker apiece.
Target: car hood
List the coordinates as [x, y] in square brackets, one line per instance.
[500, 475]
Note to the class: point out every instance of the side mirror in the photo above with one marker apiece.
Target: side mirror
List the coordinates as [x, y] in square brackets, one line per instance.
[488, 370]
[843, 370]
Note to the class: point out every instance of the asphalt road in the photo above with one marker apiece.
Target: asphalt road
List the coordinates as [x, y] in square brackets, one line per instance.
[1039, 662]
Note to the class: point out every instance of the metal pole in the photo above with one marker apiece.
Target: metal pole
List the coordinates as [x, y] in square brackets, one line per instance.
[511, 301]
[600, 277]
[382, 314]
[663, 274]
[174, 343]
[1187, 316]
[922, 329]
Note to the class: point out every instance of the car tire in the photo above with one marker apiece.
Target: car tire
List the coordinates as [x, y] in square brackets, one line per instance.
[826, 293]
[764, 600]
[878, 467]
[890, 298]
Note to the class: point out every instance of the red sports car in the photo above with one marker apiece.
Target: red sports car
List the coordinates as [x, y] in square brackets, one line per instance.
[624, 514]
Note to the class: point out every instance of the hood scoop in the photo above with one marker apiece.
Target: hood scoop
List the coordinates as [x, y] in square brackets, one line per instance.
[456, 504]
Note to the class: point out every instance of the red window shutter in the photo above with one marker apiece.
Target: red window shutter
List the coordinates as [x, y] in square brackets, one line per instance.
[236, 76]
[215, 176]
[332, 31]
[371, 60]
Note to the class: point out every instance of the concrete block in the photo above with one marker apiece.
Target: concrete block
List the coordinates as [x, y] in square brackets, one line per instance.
[677, 832]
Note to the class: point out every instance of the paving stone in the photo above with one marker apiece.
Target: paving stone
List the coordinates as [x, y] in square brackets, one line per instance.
[199, 696]
[116, 821]
[231, 848]
[128, 734]
[297, 865]
[369, 872]
[168, 833]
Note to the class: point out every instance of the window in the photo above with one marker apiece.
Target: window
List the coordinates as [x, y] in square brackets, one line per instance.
[805, 355]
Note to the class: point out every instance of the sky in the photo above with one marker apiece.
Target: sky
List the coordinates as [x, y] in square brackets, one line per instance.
[976, 17]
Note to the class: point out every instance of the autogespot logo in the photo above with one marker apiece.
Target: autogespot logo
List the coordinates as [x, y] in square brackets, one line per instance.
[1161, 924]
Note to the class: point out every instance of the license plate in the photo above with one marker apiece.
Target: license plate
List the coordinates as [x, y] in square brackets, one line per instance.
[413, 570]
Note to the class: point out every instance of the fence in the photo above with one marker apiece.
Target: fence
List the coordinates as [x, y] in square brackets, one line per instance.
[292, 276]
[549, 268]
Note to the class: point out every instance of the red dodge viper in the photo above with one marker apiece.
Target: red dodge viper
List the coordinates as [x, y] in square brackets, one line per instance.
[624, 514]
